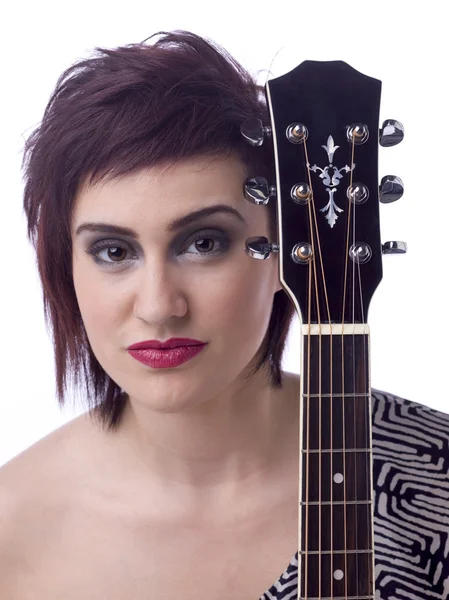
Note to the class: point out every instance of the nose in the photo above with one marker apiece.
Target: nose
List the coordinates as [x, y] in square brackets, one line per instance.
[159, 294]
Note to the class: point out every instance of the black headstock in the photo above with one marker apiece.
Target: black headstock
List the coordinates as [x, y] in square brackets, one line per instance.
[325, 131]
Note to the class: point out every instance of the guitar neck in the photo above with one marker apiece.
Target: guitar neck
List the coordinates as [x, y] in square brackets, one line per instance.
[336, 519]
[324, 125]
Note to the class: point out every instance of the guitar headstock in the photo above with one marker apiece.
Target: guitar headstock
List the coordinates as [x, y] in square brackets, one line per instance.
[325, 132]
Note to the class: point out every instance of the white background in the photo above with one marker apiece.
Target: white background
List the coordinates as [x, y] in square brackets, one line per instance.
[402, 44]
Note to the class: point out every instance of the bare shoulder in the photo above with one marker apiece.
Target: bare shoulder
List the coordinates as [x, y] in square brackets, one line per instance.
[292, 383]
[294, 378]
[34, 487]
[25, 475]
[8, 511]
[41, 473]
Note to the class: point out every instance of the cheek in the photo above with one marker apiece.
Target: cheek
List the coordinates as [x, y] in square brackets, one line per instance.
[98, 303]
[240, 301]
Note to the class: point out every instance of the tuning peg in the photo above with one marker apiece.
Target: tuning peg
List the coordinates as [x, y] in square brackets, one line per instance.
[260, 247]
[394, 248]
[257, 190]
[391, 188]
[254, 131]
[391, 133]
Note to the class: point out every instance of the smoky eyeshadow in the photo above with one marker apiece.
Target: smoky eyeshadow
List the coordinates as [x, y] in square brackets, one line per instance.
[224, 235]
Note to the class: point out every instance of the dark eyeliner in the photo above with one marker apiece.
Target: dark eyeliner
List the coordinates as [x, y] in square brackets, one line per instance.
[217, 235]
[100, 245]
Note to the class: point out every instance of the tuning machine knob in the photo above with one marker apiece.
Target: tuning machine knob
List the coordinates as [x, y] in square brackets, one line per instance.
[254, 131]
[391, 189]
[394, 248]
[391, 133]
[260, 248]
[257, 190]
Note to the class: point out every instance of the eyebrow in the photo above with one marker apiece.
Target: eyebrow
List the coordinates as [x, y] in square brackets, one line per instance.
[174, 225]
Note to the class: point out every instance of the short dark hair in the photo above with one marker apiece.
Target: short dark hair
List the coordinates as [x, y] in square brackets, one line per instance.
[113, 113]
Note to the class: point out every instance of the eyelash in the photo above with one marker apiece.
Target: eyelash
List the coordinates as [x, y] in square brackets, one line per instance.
[98, 247]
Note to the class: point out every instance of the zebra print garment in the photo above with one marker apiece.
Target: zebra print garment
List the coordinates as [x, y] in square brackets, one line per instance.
[411, 504]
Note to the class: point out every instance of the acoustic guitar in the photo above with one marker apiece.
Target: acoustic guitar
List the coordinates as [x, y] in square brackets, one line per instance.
[324, 127]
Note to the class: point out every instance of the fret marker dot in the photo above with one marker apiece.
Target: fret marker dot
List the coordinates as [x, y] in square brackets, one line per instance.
[338, 574]
[338, 478]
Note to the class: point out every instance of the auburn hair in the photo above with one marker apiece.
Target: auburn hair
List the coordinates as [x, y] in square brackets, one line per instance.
[116, 112]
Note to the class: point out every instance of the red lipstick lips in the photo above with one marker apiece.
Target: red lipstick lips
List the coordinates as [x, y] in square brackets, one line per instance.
[170, 353]
[171, 343]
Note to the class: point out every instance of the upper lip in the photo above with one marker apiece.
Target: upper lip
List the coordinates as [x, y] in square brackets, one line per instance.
[171, 343]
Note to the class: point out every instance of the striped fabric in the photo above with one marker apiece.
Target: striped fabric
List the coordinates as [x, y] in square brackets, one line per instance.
[411, 504]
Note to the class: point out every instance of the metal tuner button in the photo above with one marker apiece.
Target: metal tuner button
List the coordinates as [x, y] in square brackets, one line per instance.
[394, 248]
[260, 247]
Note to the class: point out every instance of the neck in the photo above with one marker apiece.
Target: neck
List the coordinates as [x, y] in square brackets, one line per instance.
[212, 450]
[335, 521]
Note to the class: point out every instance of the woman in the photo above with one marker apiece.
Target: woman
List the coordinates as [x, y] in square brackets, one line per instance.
[181, 478]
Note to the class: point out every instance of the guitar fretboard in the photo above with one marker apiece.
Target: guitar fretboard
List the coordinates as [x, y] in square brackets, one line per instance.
[336, 530]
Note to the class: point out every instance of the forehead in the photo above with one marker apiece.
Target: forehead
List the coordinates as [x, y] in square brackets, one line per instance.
[194, 181]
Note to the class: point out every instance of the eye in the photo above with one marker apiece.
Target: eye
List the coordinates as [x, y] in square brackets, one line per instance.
[113, 249]
[210, 243]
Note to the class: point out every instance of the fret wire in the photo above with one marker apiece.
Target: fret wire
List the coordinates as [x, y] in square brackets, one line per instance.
[336, 598]
[368, 551]
[335, 503]
[325, 329]
[327, 450]
[337, 395]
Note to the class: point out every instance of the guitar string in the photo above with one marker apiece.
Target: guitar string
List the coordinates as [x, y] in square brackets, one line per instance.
[312, 204]
[354, 265]
[345, 571]
[306, 579]
[363, 400]
[366, 422]
[311, 271]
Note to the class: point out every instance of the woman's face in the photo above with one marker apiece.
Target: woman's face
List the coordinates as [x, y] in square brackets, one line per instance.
[195, 282]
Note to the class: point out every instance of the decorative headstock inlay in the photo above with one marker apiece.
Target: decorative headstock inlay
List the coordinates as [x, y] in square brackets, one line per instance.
[331, 176]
